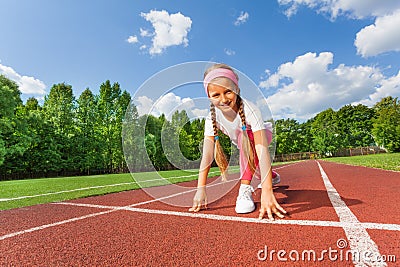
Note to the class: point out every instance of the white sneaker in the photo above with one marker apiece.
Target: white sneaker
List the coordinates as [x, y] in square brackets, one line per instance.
[275, 180]
[244, 201]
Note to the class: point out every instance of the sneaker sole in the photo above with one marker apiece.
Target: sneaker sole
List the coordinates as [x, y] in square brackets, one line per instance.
[244, 211]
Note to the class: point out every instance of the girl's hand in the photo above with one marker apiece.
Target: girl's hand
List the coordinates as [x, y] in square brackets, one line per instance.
[270, 206]
[199, 198]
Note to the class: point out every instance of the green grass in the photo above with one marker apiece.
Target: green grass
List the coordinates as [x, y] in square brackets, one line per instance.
[106, 184]
[387, 161]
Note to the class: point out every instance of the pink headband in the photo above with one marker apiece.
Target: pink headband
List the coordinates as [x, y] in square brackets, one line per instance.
[221, 72]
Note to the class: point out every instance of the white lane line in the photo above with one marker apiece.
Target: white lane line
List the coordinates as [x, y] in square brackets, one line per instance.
[63, 191]
[53, 224]
[374, 226]
[96, 187]
[111, 209]
[358, 237]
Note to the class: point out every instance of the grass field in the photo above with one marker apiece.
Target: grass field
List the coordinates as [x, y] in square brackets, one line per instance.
[386, 161]
[21, 193]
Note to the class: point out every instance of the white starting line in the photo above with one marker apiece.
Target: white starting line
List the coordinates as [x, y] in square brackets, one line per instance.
[350, 225]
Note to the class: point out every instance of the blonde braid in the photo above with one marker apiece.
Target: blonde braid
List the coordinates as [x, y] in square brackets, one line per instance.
[219, 155]
[246, 144]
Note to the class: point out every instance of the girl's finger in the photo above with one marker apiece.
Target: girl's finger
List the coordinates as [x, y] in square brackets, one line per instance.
[269, 212]
[280, 215]
[194, 207]
[262, 213]
[280, 208]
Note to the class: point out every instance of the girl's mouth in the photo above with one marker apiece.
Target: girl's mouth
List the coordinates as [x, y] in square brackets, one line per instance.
[225, 104]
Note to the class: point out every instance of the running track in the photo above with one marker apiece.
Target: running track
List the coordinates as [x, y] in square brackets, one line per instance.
[333, 209]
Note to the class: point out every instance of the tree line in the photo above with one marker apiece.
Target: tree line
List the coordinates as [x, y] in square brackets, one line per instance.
[74, 136]
[349, 127]
[64, 136]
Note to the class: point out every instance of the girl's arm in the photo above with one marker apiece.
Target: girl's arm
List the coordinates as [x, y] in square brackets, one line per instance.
[269, 204]
[206, 160]
[205, 165]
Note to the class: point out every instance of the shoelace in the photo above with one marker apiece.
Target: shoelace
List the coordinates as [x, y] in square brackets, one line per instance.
[246, 193]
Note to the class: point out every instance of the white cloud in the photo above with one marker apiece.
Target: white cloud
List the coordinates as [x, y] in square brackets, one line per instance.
[388, 87]
[229, 52]
[243, 17]
[169, 30]
[352, 8]
[361, 9]
[372, 40]
[144, 105]
[145, 33]
[27, 85]
[167, 105]
[132, 39]
[308, 86]
[380, 37]
[200, 113]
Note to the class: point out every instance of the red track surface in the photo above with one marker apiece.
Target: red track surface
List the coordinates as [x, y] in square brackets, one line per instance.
[151, 235]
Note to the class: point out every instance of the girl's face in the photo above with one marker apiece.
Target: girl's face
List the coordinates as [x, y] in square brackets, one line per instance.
[223, 96]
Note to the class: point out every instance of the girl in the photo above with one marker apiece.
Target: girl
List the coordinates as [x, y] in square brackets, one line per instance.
[245, 127]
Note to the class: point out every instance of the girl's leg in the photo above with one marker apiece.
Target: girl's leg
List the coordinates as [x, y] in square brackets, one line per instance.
[246, 174]
[244, 201]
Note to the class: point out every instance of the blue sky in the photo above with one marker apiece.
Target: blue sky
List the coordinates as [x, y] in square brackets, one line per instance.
[305, 56]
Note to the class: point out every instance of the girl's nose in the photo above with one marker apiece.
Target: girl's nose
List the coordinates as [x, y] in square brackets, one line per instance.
[224, 99]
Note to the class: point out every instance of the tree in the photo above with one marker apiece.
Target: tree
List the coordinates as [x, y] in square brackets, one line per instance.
[9, 100]
[325, 131]
[59, 110]
[111, 108]
[13, 131]
[289, 136]
[88, 145]
[386, 127]
[306, 136]
[354, 123]
[43, 155]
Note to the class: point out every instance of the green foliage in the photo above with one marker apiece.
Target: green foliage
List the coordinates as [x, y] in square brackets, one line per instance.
[9, 97]
[326, 132]
[291, 136]
[355, 124]
[68, 136]
[65, 135]
[386, 129]
[13, 128]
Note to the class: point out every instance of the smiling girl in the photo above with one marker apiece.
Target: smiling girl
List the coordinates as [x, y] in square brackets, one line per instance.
[244, 125]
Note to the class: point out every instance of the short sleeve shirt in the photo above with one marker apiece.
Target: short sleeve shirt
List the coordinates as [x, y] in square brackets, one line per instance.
[254, 121]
